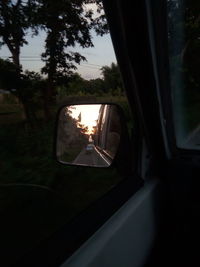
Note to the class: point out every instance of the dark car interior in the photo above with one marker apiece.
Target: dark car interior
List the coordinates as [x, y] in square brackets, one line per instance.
[139, 32]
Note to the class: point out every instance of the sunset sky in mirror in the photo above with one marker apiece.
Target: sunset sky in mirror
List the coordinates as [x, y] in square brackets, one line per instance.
[89, 114]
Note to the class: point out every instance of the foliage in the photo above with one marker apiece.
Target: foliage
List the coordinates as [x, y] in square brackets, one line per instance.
[27, 87]
[100, 22]
[67, 24]
[71, 134]
[9, 78]
[95, 86]
[74, 84]
[40, 194]
[112, 78]
[14, 25]
[184, 51]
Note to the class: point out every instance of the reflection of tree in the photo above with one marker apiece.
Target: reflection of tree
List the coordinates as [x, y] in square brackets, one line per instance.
[79, 128]
[71, 136]
[83, 128]
[79, 117]
[184, 30]
[184, 50]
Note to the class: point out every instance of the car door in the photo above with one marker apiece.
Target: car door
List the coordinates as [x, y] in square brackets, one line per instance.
[151, 217]
[129, 236]
[120, 228]
[156, 43]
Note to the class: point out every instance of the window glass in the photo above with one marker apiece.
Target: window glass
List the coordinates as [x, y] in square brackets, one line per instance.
[184, 59]
[50, 52]
[113, 132]
[103, 129]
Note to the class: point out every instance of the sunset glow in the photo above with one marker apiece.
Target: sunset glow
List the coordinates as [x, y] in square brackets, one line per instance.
[89, 115]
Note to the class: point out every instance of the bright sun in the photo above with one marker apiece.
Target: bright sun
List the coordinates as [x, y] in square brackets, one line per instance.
[89, 115]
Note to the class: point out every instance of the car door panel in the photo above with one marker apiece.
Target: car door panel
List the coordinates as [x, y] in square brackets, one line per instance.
[126, 239]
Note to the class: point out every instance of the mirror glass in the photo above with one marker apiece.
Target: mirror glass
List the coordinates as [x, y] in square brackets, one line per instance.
[88, 134]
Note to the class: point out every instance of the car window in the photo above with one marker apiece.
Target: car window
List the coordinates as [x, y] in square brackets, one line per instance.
[103, 127]
[56, 58]
[184, 60]
[107, 134]
[113, 132]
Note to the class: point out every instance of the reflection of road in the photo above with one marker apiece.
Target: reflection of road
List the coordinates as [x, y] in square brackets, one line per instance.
[91, 158]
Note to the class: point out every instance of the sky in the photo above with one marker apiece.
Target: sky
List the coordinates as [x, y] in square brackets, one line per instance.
[100, 55]
[89, 115]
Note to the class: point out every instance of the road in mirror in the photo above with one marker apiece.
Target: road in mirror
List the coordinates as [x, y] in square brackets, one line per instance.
[88, 134]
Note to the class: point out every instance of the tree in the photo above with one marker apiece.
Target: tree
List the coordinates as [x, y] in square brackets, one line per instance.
[26, 87]
[184, 34]
[14, 24]
[31, 91]
[184, 58]
[67, 23]
[95, 86]
[76, 84]
[99, 23]
[112, 78]
[71, 135]
[9, 78]
[79, 117]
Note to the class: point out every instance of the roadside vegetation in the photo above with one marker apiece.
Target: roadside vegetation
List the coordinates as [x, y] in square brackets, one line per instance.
[38, 194]
[184, 53]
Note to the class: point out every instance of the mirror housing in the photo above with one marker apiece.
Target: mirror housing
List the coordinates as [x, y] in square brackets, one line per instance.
[89, 134]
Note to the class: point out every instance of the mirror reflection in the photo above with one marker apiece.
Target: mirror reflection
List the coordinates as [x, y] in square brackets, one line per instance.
[88, 134]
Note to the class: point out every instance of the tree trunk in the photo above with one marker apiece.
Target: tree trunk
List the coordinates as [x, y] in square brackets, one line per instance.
[51, 44]
[49, 94]
[27, 115]
[48, 100]
[47, 110]
[15, 53]
[16, 61]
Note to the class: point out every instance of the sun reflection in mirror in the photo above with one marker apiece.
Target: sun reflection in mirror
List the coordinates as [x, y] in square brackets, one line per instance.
[86, 115]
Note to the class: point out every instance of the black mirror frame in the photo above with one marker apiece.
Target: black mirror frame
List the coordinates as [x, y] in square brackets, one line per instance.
[124, 144]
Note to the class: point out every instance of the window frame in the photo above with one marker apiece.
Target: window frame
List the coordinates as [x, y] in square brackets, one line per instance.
[124, 131]
[54, 250]
[159, 34]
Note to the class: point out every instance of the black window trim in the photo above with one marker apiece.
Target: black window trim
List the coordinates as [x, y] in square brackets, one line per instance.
[157, 10]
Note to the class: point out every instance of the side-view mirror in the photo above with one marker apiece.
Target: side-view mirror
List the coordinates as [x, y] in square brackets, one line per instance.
[88, 134]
